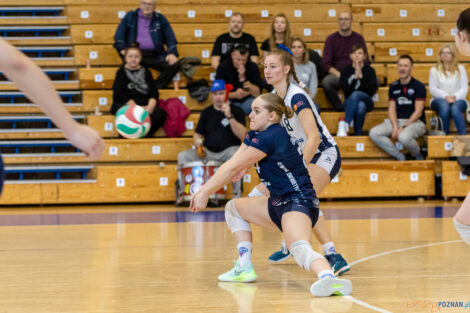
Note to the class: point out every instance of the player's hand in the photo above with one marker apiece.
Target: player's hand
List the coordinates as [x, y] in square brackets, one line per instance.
[87, 140]
[239, 175]
[198, 202]
[395, 133]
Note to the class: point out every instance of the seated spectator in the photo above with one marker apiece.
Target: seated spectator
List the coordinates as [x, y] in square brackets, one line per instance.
[336, 57]
[134, 84]
[219, 132]
[279, 34]
[359, 84]
[243, 75]
[448, 85]
[152, 31]
[306, 71]
[225, 43]
[406, 114]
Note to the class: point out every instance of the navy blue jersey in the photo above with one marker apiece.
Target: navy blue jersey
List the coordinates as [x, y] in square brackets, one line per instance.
[405, 97]
[283, 170]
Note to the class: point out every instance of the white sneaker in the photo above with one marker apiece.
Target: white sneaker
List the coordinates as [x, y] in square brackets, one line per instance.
[343, 129]
[330, 286]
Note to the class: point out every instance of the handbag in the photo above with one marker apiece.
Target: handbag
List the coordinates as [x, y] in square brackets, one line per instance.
[437, 127]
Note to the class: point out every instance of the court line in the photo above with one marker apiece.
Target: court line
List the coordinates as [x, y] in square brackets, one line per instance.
[401, 250]
[366, 305]
[377, 309]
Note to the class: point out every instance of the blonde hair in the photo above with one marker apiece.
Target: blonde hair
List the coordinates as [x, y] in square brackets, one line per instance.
[287, 40]
[274, 103]
[454, 65]
[305, 55]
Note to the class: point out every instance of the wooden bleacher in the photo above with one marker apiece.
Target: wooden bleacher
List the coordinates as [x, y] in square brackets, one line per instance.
[84, 30]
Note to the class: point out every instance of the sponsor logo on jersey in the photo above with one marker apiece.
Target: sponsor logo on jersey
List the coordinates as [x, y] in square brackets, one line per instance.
[396, 92]
[411, 92]
[404, 101]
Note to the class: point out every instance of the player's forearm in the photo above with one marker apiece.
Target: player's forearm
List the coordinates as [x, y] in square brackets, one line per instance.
[222, 177]
[42, 92]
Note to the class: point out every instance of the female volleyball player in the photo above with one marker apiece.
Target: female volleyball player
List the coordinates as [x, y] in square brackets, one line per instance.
[292, 206]
[462, 41]
[37, 86]
[318, 146]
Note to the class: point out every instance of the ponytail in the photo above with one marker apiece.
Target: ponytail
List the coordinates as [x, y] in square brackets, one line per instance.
[274, 103]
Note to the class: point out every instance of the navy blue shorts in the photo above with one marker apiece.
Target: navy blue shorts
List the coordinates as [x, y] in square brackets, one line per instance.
[277, 206]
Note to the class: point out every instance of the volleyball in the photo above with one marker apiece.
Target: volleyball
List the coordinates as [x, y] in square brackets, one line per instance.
[132, 121]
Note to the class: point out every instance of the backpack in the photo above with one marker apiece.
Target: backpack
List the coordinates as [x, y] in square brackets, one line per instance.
[176, 114]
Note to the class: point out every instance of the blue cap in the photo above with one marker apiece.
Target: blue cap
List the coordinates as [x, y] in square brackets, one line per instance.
[218, 84]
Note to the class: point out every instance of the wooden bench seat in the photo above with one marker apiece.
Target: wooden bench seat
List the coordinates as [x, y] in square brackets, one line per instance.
[411, 12]
[382, 179]
[116, 150]
[454, 183]
[413, 32]
[203, 33]
[420, 51]
[208, 13]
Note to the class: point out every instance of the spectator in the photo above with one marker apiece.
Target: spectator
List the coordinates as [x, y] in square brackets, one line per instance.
[152, 31]
[359, 84]
[336, 57]
[406, 114]
[134, 84]
[219, 132]
[306, 71]
[279, 34]
[225, 43]
[448, 85]
[244, 75]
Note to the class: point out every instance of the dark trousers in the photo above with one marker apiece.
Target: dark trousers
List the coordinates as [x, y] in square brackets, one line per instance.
[331, 86]
[167, 71]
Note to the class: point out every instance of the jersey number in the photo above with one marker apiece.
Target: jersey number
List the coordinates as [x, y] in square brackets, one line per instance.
[287, 125]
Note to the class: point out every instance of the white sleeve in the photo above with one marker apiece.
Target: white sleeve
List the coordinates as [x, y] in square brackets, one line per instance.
[461, 94]
[433, 88]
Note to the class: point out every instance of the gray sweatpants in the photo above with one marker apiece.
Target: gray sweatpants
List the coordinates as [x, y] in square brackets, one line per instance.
[190, 155]
[380, 136]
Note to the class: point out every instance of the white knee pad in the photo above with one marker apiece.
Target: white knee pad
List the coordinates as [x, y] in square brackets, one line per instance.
[303, 254]
[463, 230]
[256, 193]
[234, 221]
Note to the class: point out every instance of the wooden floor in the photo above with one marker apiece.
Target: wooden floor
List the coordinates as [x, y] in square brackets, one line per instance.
[165, 259]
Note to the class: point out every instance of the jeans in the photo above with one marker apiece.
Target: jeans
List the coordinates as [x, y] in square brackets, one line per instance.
[446, 109]
[380, 136]
[331, 86]
[245, 104]
[357, 105]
